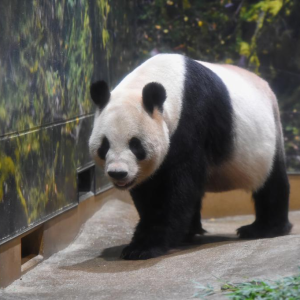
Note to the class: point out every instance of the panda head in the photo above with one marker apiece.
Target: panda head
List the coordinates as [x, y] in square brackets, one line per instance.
[130, 138]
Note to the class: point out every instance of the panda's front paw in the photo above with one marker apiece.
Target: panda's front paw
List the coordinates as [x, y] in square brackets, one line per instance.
[136, 252]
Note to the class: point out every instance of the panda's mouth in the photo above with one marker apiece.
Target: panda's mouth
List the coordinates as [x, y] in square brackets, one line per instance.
[121, 185]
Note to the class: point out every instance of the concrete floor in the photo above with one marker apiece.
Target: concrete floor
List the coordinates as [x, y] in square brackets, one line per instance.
[90, 268]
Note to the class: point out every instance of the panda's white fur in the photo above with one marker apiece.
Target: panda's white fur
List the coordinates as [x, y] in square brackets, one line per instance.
[253, 107]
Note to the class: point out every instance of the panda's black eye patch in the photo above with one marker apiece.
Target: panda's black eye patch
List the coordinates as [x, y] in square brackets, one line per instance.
[102, 151]
[137, 148]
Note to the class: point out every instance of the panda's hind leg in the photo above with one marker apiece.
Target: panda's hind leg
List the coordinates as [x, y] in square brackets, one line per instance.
[271, 205]
[196, 225]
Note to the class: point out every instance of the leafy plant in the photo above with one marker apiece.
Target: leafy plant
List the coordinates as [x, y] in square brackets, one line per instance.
[285, 288]
[204, 290]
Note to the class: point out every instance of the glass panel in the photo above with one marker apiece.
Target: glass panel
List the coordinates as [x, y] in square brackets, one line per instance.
[27, 182]
[50, 51]
[102, 181]
[82, 133]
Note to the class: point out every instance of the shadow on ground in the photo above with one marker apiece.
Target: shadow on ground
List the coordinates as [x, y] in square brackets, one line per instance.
[109, 260]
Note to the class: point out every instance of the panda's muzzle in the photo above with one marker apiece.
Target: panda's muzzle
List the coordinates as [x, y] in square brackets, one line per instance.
[119, 179]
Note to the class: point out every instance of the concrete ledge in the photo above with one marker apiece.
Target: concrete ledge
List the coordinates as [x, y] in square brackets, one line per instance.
[295, 192]
[57, 234]
[10, 262]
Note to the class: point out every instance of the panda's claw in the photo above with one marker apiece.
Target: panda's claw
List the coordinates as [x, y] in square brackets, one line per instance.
[197, 230]
[201, 231]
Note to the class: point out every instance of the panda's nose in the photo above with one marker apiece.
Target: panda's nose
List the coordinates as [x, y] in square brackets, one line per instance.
[117, 174]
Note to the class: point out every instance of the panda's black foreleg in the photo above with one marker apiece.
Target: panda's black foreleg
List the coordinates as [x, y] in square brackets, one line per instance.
[271, 205]
[166, 213]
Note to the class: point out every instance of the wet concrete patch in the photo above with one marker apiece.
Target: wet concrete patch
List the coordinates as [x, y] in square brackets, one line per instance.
[109, 260]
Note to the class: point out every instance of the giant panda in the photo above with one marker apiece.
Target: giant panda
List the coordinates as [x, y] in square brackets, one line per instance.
[175, 128]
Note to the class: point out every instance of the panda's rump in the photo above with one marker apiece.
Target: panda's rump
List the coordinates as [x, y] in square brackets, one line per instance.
[254, 132]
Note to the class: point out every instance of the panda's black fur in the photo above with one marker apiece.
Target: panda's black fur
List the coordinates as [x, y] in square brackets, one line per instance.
[169, 201]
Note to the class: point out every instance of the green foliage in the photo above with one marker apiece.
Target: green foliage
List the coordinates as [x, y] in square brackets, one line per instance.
[104, 10]
[203, 291]
[285, 288]
[212, 30]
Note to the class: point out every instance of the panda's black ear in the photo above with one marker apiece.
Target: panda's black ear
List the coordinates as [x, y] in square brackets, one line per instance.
[100, 93]
[154, 96]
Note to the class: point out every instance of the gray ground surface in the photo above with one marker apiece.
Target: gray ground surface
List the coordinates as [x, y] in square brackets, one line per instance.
[90, 268]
